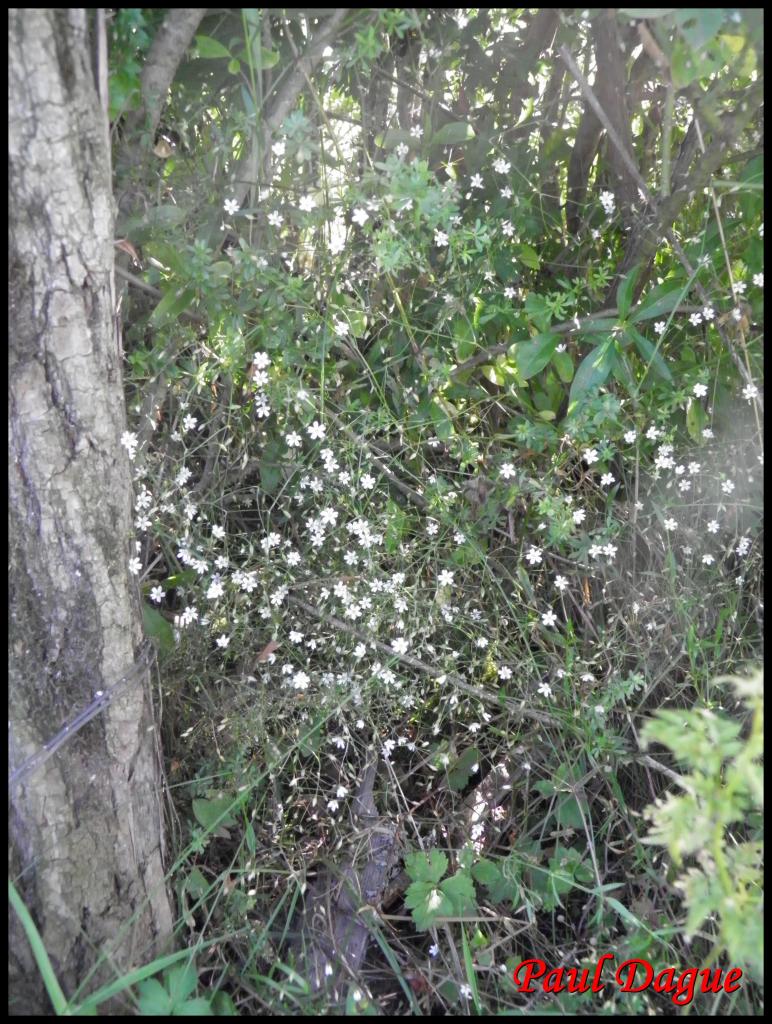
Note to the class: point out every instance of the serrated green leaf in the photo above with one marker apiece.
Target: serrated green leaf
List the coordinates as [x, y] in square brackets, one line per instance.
[427, 902]
[528, 256]
[462, 768]
[426, 867]
[460, 891]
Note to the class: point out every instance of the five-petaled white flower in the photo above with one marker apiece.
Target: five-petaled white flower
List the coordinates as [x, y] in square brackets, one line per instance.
[231, 206]
[549, 618]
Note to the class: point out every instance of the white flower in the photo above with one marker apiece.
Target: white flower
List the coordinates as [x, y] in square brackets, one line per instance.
[708, 559]
[659, 327]
[279, 148]
[464, 991]
[445, 578]
[129, 441]
[590, 456]
[707, 433]
[293, 440]
[367, 481]
[416, 131]
[476, 181]
[434, 950]
[505, 672]
[546, 691]
[750, 391]
[578, 516]
[432, 528]
[708, 313]
[275, 219]
[223, 641]
[630, 436]
[231, 206]
[608, 202]
[533, 555]
[695, 319]
[316, 431]
[699, 390]
[341, 328]
[307, 203]
[261, 361]
[135, 566]
[440, 238]
[607, 480]
[400, 645]
[670, 524]
[481, 642]
[157, 595]
[758, 280]
[727, 487]
[359, 216]
[549, 618]
[501, 166]
[561, 582]
[507, 471]
[401, 150]
[300, 681]
[189, 423]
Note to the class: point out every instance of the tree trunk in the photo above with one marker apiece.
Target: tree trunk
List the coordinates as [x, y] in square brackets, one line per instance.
[85, 830]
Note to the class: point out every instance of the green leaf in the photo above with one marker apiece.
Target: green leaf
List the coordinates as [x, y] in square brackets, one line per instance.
[487, 873]
[462, 768]
[395, 526]
[564, 364]
[460, 891]
[662, 299]
[650, 355]
[568, 813]
[426, 867]
[154, 1000]
[427, 902]
[453, 134]
[234, 66]
[157, 627]
[696, 419]
[625, 292]
[211, 813]
[464, 337]
[181, 982]
[174, 302]
[528, 255]
[532, 356]
[269, 59]
[199, 1007]
[591, 373]
[211, 49]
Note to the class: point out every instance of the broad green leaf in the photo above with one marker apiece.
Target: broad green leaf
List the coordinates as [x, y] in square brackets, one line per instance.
[657, 302]
[211, 49]
[532, 356]
[234, 66]
[568, 813]
[462, 768]
[527, 255]
[592, 372]
[696, 419]
[650, 355]
[209, 812]
[487, 873]
[464, 337]
[269, 58]
[564, 365]
[453, 134]
[625, 292]
[174, 302]
[181, 982]
[157, 627]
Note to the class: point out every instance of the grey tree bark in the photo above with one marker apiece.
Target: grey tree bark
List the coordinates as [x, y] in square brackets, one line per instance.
[85, 831]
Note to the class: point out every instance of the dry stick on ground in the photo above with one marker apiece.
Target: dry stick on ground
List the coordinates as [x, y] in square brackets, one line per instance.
[707, 169]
